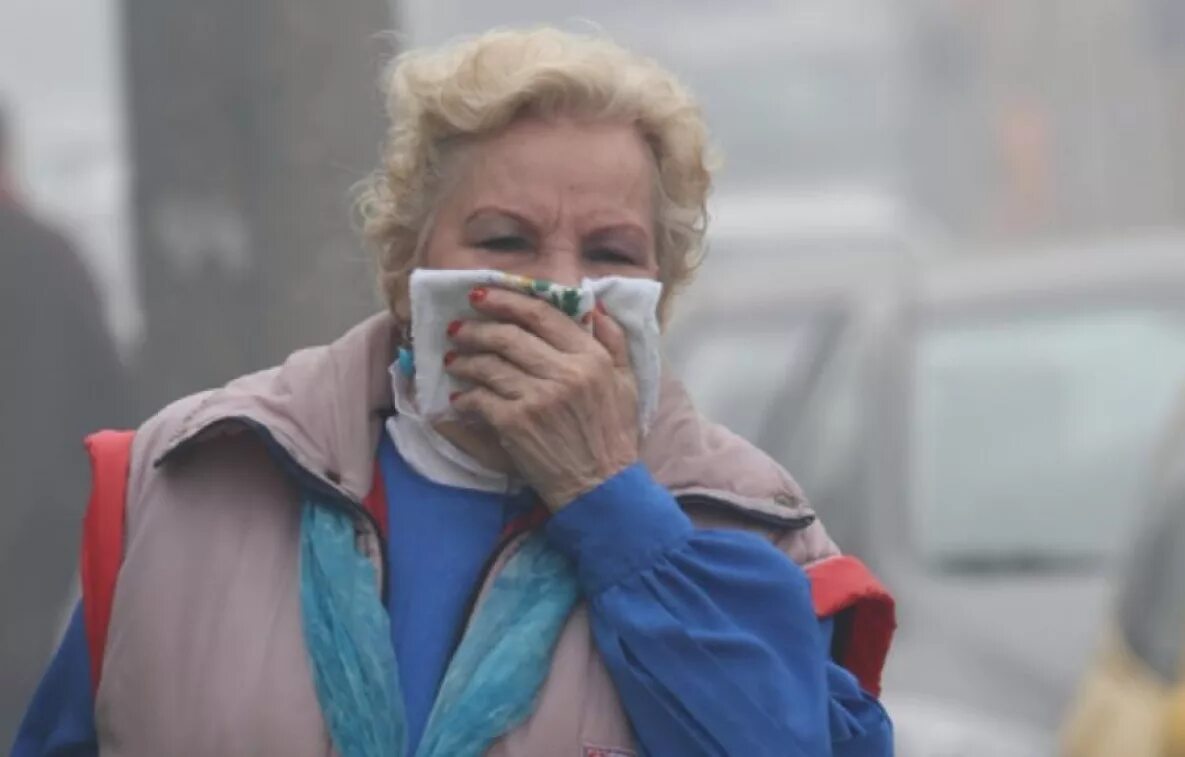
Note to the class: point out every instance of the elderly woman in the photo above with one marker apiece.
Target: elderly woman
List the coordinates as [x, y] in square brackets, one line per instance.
[480, 522]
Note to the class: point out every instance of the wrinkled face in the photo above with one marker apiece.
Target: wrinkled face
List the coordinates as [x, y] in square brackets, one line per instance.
[551, 199]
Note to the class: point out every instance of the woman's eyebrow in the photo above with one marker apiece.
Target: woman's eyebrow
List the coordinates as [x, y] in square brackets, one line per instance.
[496, 213]
[633, 231]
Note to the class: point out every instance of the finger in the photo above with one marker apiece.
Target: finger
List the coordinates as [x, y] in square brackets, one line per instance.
[484, 403]
[489, 370]
[510, 342]
[610, 334]
[537, 316]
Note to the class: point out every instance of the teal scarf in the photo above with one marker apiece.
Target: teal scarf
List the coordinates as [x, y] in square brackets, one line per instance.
[491, 683]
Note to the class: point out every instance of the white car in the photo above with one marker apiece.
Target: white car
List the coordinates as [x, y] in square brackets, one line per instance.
[977, 430]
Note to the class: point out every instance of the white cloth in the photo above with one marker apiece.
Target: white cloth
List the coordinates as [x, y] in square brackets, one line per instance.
[439, 297]
[433, 456]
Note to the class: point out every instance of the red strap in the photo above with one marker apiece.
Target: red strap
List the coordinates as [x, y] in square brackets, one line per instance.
[376, 501]
[529, 520]
[376, 504]
[843, 584]
[102, 537]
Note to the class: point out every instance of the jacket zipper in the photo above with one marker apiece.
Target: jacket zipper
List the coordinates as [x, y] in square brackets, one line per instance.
[483, 577]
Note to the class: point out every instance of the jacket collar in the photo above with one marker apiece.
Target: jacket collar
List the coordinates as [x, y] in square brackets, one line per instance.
[310, 406]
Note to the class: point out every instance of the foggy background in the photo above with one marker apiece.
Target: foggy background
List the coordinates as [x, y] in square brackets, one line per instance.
[947, 259]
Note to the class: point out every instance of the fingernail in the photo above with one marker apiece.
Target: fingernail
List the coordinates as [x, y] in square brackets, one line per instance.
[601, 308]
[453, 397]
[454, 327]
[477, 294]
[449, 357]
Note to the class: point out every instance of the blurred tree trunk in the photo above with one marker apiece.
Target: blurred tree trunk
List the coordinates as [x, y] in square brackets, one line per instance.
[250, 122]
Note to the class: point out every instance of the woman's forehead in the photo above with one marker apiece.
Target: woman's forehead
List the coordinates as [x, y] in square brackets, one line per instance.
[536, 167]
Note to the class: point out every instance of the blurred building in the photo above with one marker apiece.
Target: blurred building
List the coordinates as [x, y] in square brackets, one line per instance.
[1049, 117]
[250, 123]
[990, 120]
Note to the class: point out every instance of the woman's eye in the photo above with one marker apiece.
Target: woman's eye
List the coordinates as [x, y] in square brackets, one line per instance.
[505, 243]
[610, 255]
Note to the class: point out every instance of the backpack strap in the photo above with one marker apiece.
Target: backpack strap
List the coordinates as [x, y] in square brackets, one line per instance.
[110, 455]
[843, 588]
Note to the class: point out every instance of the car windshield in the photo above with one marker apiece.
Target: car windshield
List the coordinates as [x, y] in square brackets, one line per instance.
[1032, 436]
[735, 370]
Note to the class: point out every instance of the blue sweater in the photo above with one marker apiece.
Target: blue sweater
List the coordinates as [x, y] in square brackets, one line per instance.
[710, 636]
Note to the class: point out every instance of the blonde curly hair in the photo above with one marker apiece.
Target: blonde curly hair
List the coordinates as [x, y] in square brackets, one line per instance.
[438, 99]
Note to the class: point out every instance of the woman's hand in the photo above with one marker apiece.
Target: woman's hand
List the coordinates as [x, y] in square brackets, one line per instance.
[563, 401]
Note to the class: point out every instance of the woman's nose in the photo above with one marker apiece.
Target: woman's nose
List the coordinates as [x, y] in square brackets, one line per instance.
[562, 264]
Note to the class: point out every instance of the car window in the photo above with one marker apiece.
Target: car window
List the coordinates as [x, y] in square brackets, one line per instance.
[1032, 435]
[823, 445]
[737, 369]
[794, 391]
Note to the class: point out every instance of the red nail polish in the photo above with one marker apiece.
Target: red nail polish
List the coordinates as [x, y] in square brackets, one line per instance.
[454, 327]
[478, 294]
[449, 357]
[453, 397]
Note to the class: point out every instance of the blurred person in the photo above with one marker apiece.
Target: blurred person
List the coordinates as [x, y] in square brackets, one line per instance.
[481, 521]
[61, 379]
[1027, 191]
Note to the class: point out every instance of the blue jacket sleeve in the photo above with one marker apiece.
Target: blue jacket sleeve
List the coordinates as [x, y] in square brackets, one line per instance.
[60, 721]
[710, 636]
